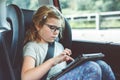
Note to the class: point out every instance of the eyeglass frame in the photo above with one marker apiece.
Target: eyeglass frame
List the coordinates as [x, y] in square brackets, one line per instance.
[53, 28]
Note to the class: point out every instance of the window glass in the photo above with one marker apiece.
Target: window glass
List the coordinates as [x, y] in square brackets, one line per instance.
[25, 4]
[95, 20]
[86, 14]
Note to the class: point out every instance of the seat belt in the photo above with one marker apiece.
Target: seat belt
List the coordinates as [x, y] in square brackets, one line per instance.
[50, 54]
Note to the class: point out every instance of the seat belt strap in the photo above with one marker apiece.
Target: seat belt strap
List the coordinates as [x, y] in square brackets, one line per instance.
[50, 54]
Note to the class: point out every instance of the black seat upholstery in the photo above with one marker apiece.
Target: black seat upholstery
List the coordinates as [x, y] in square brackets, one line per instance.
[6, 70]
[67, 36]
[11, 45]
[15, 18]
[1, 72]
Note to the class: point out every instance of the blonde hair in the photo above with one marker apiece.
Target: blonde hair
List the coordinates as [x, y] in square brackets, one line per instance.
[40, 18]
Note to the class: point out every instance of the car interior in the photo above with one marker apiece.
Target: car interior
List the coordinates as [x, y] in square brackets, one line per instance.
[11, 41]
[11, 44]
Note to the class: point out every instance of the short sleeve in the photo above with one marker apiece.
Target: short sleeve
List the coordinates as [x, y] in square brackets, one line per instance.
[29, 50]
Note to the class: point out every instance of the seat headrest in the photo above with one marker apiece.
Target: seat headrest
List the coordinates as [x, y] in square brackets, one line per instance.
[15, 18]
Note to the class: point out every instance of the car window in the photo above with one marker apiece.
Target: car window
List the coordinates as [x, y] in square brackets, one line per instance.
[93, 20]
[25, 4]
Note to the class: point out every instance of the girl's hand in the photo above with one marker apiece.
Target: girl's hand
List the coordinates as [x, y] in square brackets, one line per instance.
[64, 56]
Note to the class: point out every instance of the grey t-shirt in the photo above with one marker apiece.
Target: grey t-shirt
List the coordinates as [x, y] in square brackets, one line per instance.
[39, 50]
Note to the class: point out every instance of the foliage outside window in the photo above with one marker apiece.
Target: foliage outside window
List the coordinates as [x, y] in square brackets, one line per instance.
[88, 7]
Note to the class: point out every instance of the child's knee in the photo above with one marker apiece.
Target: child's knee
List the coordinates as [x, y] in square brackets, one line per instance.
[92, 67]
[92, 70]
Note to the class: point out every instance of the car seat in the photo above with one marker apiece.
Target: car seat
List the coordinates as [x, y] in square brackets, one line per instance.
[11, 41]
[11, 44]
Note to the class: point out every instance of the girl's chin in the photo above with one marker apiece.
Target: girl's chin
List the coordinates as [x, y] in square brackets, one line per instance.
[51, 41]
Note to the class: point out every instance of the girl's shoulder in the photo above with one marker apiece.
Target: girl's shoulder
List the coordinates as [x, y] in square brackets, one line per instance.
[31, 43]
[35, 44]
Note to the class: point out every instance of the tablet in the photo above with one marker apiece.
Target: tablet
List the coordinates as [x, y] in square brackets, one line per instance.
[79, 60]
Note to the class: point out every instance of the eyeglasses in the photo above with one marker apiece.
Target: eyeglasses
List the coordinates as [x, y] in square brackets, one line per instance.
[54, 28]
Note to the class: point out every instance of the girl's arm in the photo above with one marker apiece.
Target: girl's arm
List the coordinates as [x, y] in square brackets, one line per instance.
[30, 72]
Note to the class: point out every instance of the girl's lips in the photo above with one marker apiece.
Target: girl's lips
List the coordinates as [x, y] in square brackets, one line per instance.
[53, 36]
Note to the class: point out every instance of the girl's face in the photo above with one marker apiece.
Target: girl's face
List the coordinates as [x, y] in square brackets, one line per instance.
[50, 30]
